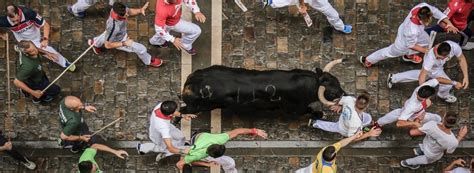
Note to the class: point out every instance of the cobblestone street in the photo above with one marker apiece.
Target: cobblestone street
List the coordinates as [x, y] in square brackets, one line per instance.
[118, 83]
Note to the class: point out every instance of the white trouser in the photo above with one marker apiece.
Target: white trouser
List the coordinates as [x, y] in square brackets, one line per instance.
[159, 146]
[137, 48]
[331, 14]
[412, 75]
[61, 60]
[423, 159]
[83, 5]
[322, 6]
[190, 32]
[392, 117]
[334, 126]
[393, 51]
[227, 163]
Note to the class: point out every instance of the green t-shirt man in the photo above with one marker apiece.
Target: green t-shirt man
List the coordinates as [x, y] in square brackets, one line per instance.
[199, 150]
[89, 155]
[30, 71]
[70, 120]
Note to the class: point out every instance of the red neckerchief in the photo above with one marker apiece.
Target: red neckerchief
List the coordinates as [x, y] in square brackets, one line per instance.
[115, 16]
[424, 104]
[414, 16]
[159, 114]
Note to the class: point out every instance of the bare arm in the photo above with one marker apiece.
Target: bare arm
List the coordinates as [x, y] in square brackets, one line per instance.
[6, 147]
[344, 142]
[408, 124]
[422, 76]
[137, 11]
[118, 153]
[301, 2]
[84, 138]
[23, 86]
[463, 65]
[113, 45]
[46, 29]
[244, 131]
[458, 162]
[462, 133]
[449, 26]
[374, 132]
[172, 149]
[419, 48]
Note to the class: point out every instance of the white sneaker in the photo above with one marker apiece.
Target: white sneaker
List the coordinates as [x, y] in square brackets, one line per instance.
[389, 81]
[160, 156]
[29, 164]
[450, 99]
[468, 46]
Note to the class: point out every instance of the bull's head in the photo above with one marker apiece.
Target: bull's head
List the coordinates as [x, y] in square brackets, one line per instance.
[329, 87]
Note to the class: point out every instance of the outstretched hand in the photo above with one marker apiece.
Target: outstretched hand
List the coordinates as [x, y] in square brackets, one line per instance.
[121, 154]
[143, 9]
[261, 133]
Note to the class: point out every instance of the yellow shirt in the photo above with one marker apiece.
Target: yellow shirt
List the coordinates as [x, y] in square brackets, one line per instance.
[318, 163]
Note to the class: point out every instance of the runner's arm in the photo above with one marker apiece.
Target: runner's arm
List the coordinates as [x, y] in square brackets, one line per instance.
[46, 29]
[463, 65]
[407, 124]
[346, 141]
[422, 76]
[23, 86]
[172, 149]
[244, 131]
[105, 148]
[71, 137]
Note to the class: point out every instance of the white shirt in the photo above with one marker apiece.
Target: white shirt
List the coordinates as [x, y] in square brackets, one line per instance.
[159, 128]
[433, 65]
[414, 107]
[459, 170]
[349, 121]
[437, 141]
[410, 33]
[308, 169]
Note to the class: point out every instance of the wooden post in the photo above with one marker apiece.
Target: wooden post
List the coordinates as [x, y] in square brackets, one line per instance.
[216, 59]
[186, 69]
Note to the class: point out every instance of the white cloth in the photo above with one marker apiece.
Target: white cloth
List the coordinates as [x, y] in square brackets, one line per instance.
[226, 162]
[322, 6]
[349, 121]
[335, 127]
[159, 130]
[63, 62]
[190, 32]
[435, 143]
[412, 75]
[409, 34]
[459, 170]
[308, 169]
[83, 5]
[434, 65]
[137, 48]
[394, 116]
[414, 107]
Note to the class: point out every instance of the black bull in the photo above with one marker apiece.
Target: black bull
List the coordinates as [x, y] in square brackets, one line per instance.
[242, 90]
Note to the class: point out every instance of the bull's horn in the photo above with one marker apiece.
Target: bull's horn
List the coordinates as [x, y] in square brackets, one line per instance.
[323, 99]
[331, 64]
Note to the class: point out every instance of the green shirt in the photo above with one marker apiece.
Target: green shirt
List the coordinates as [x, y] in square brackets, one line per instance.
[70, 120]
[30, 71]
[199, 149]
[89, 155]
